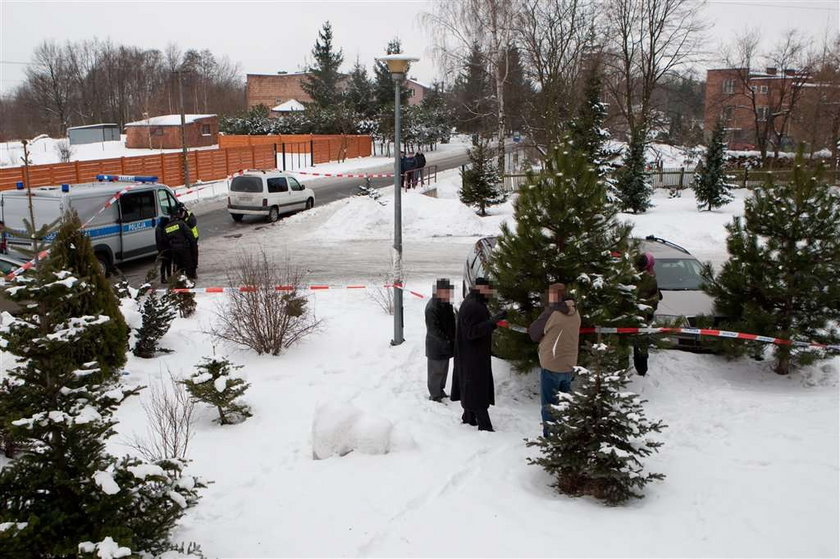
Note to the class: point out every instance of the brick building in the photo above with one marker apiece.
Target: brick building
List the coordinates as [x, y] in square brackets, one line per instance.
[273, 90]
[164, 132]
[746, 100]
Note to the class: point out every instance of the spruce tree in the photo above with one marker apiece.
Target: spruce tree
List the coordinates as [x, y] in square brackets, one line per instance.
[566, 231]
[781, 277]
[519, 91]
[61, 397]
[481, 185]
[214, 383]
[586, 131]
[632, 182]
[157, 315]
[384, 82]
[710, 187]
[599, 435]
[360, 92]
[473, 104]
[323, 81]
[183, 301]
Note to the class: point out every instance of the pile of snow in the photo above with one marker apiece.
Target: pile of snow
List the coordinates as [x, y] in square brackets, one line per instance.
[338, 429]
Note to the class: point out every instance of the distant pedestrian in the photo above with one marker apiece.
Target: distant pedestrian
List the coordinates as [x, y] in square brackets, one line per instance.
[649, 295]
[162, 245]
[472, 379]
[411, 171]
[420, 160]
[404, 170]
[557, 330]
[440, 338]
[181, 246]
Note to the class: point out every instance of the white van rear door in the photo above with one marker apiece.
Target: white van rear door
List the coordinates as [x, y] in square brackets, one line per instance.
[246, 192]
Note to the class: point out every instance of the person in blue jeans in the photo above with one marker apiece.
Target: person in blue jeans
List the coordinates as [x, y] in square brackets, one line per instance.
[557, 330]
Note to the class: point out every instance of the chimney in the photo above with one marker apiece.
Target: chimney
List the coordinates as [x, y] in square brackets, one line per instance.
[771, 71]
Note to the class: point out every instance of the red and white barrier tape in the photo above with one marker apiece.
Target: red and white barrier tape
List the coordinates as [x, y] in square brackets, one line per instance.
[191, 190]
[346, 175]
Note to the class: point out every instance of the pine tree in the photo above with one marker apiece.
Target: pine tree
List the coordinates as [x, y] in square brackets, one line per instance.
[473, 107]
[183, 301]
[66, 489]
[214, 383]
[518, 90]
[157, 315]
[632, 183]
[566, 231]
[710, 187]
[599, 436]
[481, 185]
[781, 277]
[323, 81]
[360, 92]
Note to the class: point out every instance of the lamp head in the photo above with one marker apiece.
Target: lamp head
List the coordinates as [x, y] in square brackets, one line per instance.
[397, 63]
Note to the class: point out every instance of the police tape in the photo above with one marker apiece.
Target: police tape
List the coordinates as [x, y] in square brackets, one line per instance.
[190, 191]
[709, 332]
[345, 175]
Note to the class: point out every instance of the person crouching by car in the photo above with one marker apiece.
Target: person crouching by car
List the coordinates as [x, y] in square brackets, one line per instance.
[472, 378]
[557, 330]
[440, 338]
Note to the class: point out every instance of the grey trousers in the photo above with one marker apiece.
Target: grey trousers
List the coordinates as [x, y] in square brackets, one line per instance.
[438, 370]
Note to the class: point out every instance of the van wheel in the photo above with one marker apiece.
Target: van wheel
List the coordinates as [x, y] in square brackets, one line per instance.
[464, 289]
[104, 264]
[310, 203]
[273, 214]
[237, 217]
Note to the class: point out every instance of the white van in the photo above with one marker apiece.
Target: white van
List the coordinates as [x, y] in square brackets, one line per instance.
[124, 231]
[268, 194]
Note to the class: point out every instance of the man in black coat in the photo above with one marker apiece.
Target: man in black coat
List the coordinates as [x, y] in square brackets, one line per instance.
[162, 245]
[440, 338]
[181, 245]
[421, 164]
[472, 379]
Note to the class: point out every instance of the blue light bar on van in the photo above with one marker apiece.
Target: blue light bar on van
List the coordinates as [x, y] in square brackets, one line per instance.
[126, 178]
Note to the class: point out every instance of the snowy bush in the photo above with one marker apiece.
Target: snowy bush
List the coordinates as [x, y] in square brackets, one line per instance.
[338, 429]
[214, 383]
[63, 150]
[264, 318]
[599, 435]
[184, 301]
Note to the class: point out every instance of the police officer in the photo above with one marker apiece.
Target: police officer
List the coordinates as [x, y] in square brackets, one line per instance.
[181, 245]
[189, 218]
[164, 254]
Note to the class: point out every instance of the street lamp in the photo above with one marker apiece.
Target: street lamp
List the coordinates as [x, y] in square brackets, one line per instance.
[398, 67]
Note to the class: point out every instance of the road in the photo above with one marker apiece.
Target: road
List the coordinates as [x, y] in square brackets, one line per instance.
[327, 262]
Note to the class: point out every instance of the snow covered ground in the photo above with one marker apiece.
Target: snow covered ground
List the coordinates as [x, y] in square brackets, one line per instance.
[751, 458]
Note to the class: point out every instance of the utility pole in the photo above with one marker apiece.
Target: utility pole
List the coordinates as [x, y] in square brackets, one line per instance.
[183, 129]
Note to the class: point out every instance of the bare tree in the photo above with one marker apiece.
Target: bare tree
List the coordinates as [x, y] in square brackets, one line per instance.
[458, 26]
[50, 82]
[556, 37]
[169, 413]
[645, 40]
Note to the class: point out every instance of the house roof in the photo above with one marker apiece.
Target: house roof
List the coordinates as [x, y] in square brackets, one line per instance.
[424, 85]
[167, 120]
[292, 105]
[93, 125]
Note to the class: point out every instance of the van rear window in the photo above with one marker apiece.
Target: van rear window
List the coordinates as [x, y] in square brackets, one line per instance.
[246, 184]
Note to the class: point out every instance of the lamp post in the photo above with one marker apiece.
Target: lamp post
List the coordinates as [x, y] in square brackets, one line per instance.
[398, 67]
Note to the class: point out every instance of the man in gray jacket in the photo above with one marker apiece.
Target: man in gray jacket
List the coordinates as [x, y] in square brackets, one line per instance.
[440, 338]
[557, 330]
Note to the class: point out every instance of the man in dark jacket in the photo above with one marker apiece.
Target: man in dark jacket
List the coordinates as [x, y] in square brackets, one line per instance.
[421, 164]
[192, 222]
[472, 379]
[440, 338]
[162, 245]
[181, 245]
[649, 294]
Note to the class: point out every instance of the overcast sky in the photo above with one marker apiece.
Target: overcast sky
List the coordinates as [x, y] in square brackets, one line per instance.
[264, 37]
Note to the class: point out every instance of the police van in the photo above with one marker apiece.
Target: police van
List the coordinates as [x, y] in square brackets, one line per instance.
[123, 231]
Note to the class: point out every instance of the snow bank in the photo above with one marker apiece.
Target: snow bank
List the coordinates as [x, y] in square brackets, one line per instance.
[338, 429]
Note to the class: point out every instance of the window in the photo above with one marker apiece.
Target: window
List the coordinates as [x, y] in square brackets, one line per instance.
[728, 113]
[763, 113]
[295, 184]
[136, 206]
[157, 131]
[205, 129]
[277, 185]
[763, 90]
[246, 184]
[729, 87]
[168, 205]
[678, 273]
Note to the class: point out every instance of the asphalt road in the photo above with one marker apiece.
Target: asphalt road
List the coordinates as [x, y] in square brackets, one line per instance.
[215, 221]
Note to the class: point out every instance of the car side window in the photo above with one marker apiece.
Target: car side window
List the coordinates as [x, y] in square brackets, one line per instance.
[295, 184]
[277, 185]
[135, 206]
[168, 205]
[7, 267]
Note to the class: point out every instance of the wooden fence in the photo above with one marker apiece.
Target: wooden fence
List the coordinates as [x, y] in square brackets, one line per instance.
[234, 153]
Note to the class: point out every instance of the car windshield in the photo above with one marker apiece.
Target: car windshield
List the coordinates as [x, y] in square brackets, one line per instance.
[678, 273]
[246, 184]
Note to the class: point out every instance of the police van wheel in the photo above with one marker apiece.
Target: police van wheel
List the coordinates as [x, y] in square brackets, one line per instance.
[104, 264]
[273, 214]
[237, 217]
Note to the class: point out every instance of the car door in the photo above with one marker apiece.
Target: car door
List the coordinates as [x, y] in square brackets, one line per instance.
[298, 195]
[278, 194]
[138, 213]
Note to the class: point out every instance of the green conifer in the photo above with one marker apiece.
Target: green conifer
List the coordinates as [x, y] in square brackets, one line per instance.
[214, 383]
[710, 185]
[481, 185]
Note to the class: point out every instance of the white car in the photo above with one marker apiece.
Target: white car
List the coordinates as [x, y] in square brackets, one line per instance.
[267, 194]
